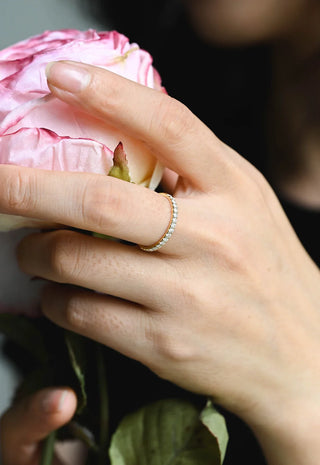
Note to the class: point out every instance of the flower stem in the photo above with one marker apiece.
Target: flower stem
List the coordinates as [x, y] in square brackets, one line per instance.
[48, 449]
[104, 406]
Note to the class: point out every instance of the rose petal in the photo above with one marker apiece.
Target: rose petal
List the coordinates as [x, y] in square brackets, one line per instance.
[111, 50]
[64, 119]
[44, 149]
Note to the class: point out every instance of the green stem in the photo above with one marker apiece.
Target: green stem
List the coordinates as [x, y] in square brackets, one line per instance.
[48, 449]
[104, 406]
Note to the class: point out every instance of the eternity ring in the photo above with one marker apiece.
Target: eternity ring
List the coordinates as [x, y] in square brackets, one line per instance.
[170, 229]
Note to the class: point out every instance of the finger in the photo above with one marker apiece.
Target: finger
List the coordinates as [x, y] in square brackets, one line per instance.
[31, 420]
[103, 266]
[124, 326]
[91, 202]
[154, 338]
[169, 181]
[177, 137]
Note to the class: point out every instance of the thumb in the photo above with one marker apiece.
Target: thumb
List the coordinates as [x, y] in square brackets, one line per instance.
[30, 420]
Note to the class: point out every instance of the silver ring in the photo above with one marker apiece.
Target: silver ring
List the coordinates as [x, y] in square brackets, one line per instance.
[170, 229]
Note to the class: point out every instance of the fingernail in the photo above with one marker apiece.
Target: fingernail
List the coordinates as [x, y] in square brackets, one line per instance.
[69, 76]
[53, 401]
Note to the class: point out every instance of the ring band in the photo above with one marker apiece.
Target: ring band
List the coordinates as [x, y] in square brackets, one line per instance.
[170, 229]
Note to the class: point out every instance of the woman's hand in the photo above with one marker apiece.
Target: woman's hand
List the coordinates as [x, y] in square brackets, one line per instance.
[29, 421]
[229, 307]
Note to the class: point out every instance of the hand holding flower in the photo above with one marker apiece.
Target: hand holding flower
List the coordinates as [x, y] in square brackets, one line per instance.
[228, 308]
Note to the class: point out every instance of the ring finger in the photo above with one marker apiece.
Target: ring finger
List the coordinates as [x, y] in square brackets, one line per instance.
[104, 266]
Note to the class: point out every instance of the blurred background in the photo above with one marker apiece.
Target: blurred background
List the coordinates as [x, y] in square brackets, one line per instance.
[19, 20]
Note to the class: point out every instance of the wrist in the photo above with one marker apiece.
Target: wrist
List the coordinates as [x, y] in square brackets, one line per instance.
[285, 413]
[290, 434]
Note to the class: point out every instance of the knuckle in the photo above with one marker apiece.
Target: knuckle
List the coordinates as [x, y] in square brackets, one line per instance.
[228, 247]
[259, 179]
[255, 184]
[73, 315]
[65, 256]
[101, 204]
[19, 192]
[248, 181]
[259, 183]
[265, 189]
[225, 244]
[169, 345]
[58, 252]
[172, 120]
[173, 350]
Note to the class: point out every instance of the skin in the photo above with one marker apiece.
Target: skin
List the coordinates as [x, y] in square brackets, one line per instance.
[30, 421]
[242, 334]
[252, 325]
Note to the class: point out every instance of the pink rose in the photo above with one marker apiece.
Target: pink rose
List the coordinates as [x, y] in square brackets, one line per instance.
[38, 130]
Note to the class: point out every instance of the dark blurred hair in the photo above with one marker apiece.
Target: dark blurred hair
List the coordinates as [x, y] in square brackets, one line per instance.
[144, 21]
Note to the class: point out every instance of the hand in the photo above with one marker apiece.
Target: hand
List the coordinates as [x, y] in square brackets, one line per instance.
[229, 307]
[29, 421]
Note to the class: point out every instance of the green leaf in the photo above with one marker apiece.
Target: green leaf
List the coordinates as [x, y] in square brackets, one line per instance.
[168, 432]
[76, 347]
[120, 167]
[216, 424]
[21, 331]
